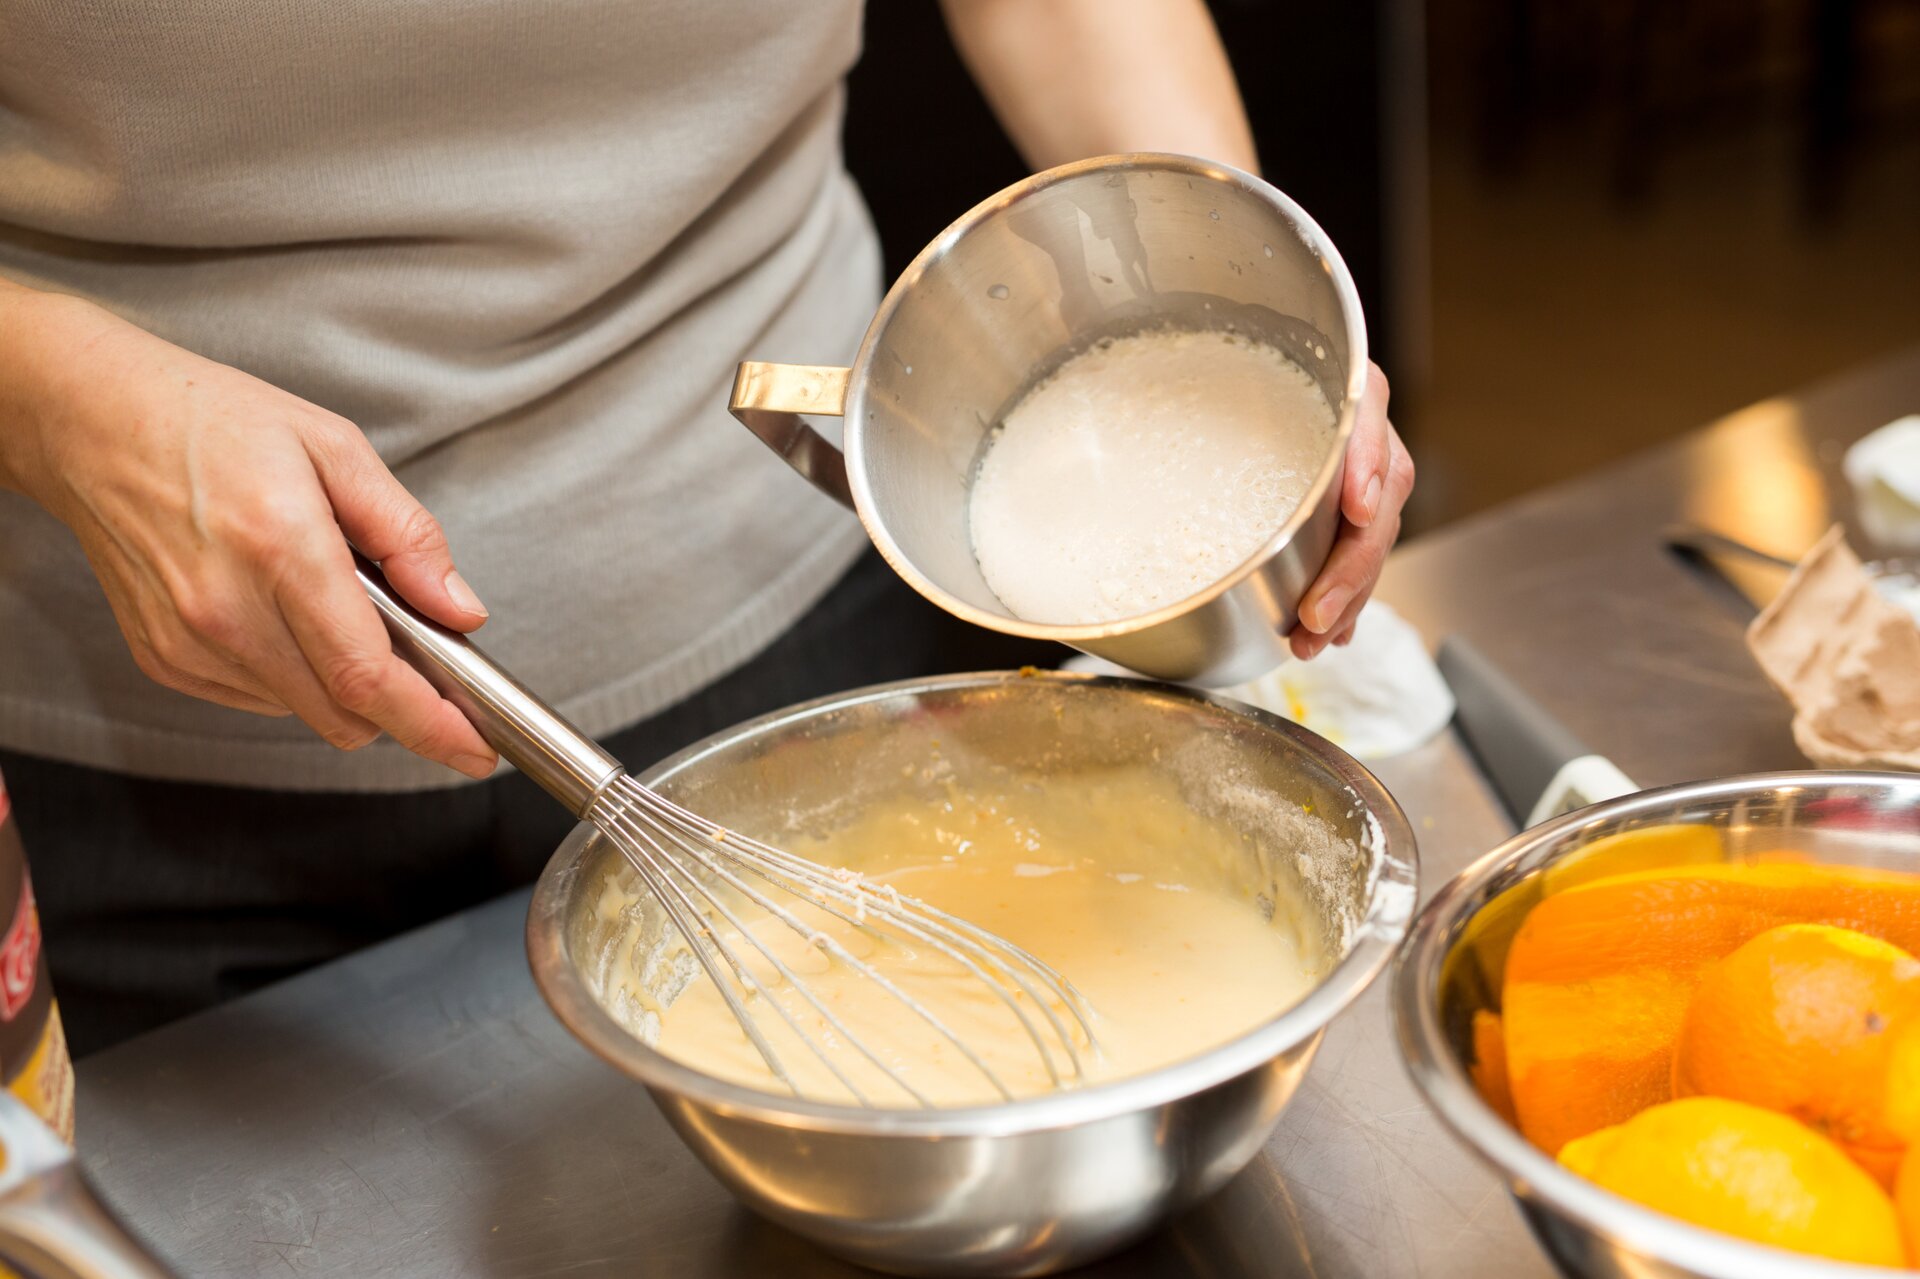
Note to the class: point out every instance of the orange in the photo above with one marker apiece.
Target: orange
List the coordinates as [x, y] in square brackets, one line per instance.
[1598, 978]
[1743, 1171]
[1801, 1020]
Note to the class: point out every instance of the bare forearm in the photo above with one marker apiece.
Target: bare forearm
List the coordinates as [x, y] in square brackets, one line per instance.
[18, 361]
[1074, 78]
[43, 336]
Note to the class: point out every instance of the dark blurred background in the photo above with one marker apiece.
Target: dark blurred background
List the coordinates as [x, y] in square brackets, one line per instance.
[1578, 226]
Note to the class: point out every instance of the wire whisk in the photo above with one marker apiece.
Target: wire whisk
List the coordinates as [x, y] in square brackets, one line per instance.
[702, 872]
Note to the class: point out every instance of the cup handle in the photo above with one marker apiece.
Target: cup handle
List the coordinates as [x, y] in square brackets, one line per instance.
[769, 399]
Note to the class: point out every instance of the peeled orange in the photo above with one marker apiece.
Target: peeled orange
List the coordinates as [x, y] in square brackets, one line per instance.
[1744, 1171]
[1801, 1020]
[1598, 978]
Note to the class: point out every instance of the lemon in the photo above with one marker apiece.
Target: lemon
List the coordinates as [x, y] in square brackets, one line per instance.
[1744, 1171]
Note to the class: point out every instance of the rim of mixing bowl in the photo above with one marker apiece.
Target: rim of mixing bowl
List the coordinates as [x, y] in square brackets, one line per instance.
[1443, 1081]
[1389, 913]
[1331, 465]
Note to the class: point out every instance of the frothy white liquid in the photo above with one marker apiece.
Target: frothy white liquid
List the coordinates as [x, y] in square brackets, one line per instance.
[1143, 471]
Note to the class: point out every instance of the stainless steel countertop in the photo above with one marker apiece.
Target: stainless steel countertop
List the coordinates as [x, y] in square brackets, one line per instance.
[413, 1110]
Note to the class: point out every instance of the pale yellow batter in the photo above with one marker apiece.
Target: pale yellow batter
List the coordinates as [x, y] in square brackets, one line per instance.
[1111, 879]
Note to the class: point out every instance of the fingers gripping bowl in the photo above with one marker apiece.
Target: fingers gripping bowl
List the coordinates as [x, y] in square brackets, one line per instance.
[1447, 978]
[1033, 1185]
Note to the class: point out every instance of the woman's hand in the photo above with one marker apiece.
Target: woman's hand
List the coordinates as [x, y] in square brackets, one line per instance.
[1378, 479]
[216, 511]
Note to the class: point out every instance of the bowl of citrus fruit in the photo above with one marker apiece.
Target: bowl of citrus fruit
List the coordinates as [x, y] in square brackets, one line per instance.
[1684, 1026]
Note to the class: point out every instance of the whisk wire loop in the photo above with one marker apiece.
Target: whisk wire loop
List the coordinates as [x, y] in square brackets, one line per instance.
[834, 949]
[832, 897]
[625, 823]
[642, 823]
[889, 902]
[685, 918]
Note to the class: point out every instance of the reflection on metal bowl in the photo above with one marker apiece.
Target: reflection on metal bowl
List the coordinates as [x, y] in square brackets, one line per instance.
[1861, 819]
[1035, 1185]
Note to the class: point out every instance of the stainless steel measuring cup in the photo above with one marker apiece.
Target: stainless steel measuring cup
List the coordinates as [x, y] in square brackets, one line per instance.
[1024, 280]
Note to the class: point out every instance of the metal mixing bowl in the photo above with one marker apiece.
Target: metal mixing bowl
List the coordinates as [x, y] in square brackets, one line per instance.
[1441, 978]
[1035, 1185]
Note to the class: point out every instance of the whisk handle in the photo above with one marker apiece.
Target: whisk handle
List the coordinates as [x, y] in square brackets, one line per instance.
[527, 732]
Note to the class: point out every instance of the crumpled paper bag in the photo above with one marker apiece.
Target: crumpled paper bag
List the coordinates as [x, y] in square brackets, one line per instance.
[1847, 658]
